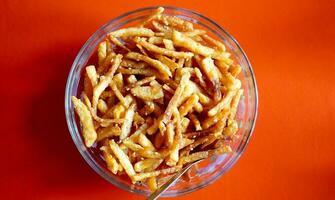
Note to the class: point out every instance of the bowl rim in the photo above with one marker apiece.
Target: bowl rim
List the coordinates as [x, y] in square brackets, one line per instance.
[72, 126]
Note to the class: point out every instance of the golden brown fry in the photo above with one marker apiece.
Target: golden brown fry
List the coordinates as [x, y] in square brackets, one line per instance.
[122, 158]
[117, 42]
[118, 80]
[129, 117]
[198, 107]
[147, 164]
[168, 88]
[184, 124]
[181, 40]
[92, 75]
[145, 142]
[214, 42]
[193, 157]
[86, 120]
[154, 63]
[231, 129]
[235, 70]
[112, 164]
[145, 175]
[117, 93]
[174, 150]
[110, 131]
[222, 115]
[102, 106]
[102, 52]
[198, 74]
[168, 44]
[177, 23]
[222, 104]
[234, 104]
[172, 105]
[131, 32]
[152, 184]
[168, 62]
[156, 14]
[188, 105]
[195, 122]
[133, 64]
[212, 73]
[156, 40]
[159, 50]
[169, 134]
[147, 93]
[141, 82]
[131, 145]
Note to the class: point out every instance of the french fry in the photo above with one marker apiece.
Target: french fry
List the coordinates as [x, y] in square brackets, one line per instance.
[198, 74]
[179, 39]
[92, 75]
[174, 153]
[118, 80]
[156, 14]
[175, 99]
[112, 164]
[195, 122]
[169, 134]
[222, 104]
[145, 175]
[222, 115]
[163, 51]
[117, 42]
[131, 145]
[131, 32]
[235, 70]
[102, 106]
[132, 79]
[132, 64]
[177, 23]
[86, 120]
[147, 164]
[154, 63]
[142, 82]
[152, 184]
[156, 40]
[102, 52]
[188, 105]
[184, 124]
[198, 107]
[110, 131]
[231, 129]
[212, 73]
[141, 130]
[193, 157]
[214, 42]
[147, 93]
[126, 126]
[168, 88]
[168, 44]
[122, 158]
[117, 93]
[145, 142]
[168, 62]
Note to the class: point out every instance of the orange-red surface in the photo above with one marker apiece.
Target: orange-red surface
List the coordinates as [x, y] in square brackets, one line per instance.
[291, 47]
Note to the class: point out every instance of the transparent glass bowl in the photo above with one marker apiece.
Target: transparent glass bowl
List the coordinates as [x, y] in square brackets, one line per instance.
[207, 171]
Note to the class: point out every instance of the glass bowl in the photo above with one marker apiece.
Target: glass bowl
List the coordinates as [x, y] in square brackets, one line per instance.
[207, 171]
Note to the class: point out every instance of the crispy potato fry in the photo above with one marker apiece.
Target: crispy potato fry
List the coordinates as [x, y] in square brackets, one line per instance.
[154, 63]
[145, 175]
[168, 62]
[132, 79]
[112, 164]
[110, 131]
[231, 129]
[212, 73]
[188, 105]
[195, 32]
[131, 145]
[174, 153]
[177, 23]
[163, 51]
[142, 82]
[117, 42]
[141, 130]
[168, 88]
[175, 99]
[198, 107]
[214, 42]
[198, 74]
[147, 93]
[234, 104]
[133, 64]
[102, 106]
[235, 70]
[193, 157]
[86, 120]
[169, 134]
[131, 32]
[147, 164]
[184, 124]
[152, 184]
[222, 104]
[102, 52]
[195, 122]
[145, 142]
[156, 40]
[122, 158]
[156, 14]
[92, 75]
[129, 117]
[117, 93]
[118, 80]
[222, 115]
[168, 44]
[182, 40]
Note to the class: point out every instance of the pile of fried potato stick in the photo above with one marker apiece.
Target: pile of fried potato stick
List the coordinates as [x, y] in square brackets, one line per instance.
[163, 94]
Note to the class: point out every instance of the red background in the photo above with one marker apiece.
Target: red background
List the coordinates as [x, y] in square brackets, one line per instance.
[291, 47]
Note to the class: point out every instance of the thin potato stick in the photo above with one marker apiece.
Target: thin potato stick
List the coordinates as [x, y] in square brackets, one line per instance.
[167, 52]
[234, 104]
[117, 42]
[92, 74]
[156, 14]
[129, 117]
[188, 105]
[154, 63]
[145, 175]
[214, 42]
[168, 44]
[89, 132]
[195, 122]
[123, 158]
[222, 104]
[132, 31]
